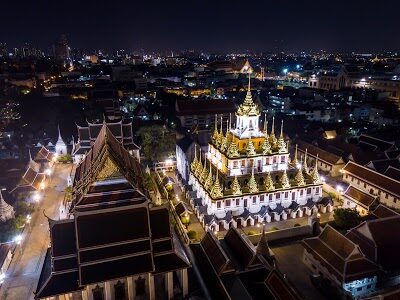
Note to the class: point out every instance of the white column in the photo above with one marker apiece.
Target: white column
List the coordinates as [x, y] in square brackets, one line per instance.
[169, 285]
[131, 288]
[107, 290]
[150, 287]
[84, 294]
[89, 292]
[184, 282]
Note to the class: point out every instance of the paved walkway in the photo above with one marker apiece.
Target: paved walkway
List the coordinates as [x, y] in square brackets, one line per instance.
[24, 271]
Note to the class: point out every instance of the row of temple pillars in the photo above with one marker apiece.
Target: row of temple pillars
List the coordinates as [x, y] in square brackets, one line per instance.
[87, 293]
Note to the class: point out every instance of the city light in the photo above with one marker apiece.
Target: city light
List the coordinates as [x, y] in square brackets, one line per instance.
[28, 219]
[18, 239]
[168, 162]
[48, 171]
[36, 197]
[323, 179]
[339, 188]
[2, 277]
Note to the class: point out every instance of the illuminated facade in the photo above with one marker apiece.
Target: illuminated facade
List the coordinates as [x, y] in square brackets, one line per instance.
[247, 177]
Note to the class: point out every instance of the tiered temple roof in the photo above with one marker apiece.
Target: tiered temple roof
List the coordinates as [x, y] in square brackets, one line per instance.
[111, 229]
[87, 135]
[6, 210]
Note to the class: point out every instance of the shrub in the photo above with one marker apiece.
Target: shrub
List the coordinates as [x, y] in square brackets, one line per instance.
[192, 234]
[296, 225]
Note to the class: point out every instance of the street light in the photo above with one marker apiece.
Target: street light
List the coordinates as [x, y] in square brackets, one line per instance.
[36, 197]
[18, 239]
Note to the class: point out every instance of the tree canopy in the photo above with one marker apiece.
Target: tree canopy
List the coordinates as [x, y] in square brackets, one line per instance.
[157, 142]
[346, 218]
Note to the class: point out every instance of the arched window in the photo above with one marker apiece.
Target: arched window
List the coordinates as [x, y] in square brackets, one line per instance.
[98, 293]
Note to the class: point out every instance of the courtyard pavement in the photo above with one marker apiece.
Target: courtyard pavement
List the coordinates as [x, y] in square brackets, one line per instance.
[23, 274]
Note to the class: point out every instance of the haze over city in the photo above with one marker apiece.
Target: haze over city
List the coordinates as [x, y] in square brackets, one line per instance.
[199, 150]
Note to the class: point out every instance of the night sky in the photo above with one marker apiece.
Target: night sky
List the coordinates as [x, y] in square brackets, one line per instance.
[222, 25]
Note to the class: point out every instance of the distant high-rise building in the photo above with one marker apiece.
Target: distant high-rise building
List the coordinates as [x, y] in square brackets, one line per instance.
[61, 49]
[3, 49]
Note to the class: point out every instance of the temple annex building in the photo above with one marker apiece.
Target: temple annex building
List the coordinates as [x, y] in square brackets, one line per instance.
[112, 245]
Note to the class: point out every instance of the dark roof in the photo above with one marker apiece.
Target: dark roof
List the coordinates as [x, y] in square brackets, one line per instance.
[159, 220]
[106, 147]
[381, 165]
[44, 155]
[381, 239]
[204, 107]
[340, 256]
[313, 151]
[361, 197]
[56, 283]
[182, 208]
[382, 211]
[103, 233]
[62, 237]
[243, 254]
[112, 269]
[381, 144]
[392, 173]
[279, 287]
[393, 153]
[184, 143]
[365, 174]
[218, 258]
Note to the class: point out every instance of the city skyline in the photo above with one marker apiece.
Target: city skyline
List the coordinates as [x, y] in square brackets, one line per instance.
[222, 26]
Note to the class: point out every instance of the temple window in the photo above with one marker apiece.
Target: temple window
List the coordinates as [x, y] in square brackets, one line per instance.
[286, 195]
[308, 191]
[270, 197]
[119, 291]
[237, 202]
[218, 204]
[262, 198]
[228, 202]
[254, 200]
[140, 286]
[98, 293]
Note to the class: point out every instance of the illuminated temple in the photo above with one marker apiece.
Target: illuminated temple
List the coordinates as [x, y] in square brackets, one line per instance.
[246, 177]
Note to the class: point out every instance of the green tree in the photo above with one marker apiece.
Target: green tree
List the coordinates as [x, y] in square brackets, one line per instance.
[346, 218]
[66, 158]
[23, 208]
[157, 142]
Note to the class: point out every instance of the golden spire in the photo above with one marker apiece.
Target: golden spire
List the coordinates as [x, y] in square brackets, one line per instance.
[253, 188]
[248, 108]
[281, 142]
[272, 137]
[300, 178]
[305, 166]
[314, 173]
[203, 175]
[220, 135]
[232, 150]
[199, 168]
[209, 181]
[265, 125]
[285, 180]
[269, 184]
[215, 134]
[266, 147]
[193, 166]
[250, 150]
[224, 143]
[295, 160]
[216, 191]
[236, 189]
